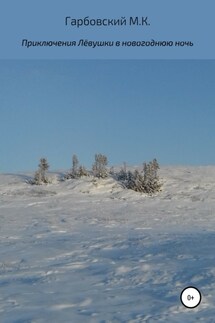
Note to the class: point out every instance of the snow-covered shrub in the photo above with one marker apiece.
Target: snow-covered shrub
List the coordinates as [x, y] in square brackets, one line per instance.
[99, 167]
[82, 171]
[75, 163]
[111, 171]
[135, 181]
[122, 175]
[146, 181]
[151, 179]
[76, 171]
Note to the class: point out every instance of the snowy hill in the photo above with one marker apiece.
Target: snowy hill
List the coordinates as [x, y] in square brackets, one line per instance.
[89, 250]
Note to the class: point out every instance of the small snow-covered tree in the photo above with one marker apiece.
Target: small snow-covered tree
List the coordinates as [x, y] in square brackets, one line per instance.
[76, 171]
[146, 181]
[111, 171]
[43, 168]
[75, 163]
[122, 175]
[40, 176]
[130, 180]
[151, 179]
[82, 171]
[135, 181]
[37, 178]
[99, 167]
[73, 173]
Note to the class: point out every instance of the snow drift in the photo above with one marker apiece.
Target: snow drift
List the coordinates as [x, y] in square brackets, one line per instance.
[88, 250]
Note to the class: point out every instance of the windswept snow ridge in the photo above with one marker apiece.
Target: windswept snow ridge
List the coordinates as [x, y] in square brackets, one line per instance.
[90, 251]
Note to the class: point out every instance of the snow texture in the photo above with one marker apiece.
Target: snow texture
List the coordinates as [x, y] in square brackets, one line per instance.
[88, 250]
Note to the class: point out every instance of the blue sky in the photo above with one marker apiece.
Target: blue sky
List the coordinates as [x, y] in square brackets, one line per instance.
[130, 110]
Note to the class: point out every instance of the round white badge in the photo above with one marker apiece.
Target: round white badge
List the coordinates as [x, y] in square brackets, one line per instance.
[190, 297]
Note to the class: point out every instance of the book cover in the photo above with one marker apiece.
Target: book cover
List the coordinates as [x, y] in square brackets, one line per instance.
[107, 161]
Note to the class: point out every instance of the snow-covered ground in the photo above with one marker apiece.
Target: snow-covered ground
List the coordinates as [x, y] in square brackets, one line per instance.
[90, 251]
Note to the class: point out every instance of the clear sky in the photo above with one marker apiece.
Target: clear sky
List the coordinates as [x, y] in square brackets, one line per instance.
[130, 110]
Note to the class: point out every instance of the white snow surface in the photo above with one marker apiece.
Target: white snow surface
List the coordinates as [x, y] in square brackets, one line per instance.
[90, 251]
